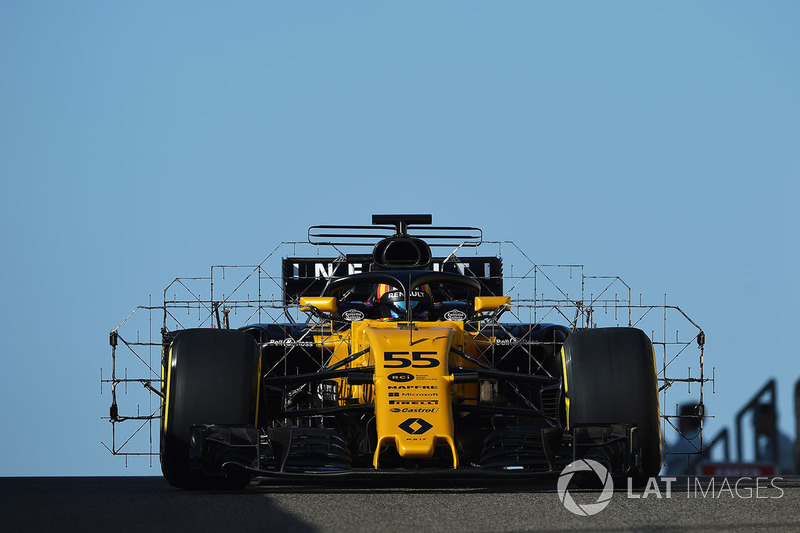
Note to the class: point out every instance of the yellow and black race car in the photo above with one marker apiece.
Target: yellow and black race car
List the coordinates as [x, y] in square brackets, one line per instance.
[408, 364]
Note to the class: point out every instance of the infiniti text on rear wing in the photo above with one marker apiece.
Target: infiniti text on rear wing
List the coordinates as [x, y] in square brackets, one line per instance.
[309, 276]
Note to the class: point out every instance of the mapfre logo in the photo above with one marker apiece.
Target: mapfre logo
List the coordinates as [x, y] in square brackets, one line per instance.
[585, 509]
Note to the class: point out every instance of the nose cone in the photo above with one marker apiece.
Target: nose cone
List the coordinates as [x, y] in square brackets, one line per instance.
[412, 395]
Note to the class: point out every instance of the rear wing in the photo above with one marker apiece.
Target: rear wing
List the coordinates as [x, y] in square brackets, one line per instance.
[310, 276]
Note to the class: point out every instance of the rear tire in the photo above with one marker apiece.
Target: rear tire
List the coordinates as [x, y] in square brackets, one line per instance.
[610, 377]
[211, 378]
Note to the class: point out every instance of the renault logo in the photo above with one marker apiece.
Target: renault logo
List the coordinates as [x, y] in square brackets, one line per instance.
[415, 426]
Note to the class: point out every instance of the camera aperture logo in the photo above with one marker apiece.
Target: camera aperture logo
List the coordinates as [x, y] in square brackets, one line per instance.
[585, 509]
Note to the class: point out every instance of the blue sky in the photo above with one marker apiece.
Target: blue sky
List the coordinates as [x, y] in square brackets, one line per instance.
[657, 141]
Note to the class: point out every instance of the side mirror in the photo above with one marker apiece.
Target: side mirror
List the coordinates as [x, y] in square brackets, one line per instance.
[491, 303]
[326, 304]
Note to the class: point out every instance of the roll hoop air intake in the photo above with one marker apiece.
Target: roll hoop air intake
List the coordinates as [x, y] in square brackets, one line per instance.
[401, 251]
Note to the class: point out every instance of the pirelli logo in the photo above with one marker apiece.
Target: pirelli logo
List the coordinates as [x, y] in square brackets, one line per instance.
[413, 402]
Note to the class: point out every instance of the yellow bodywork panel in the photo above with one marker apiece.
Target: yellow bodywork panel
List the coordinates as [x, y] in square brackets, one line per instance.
[490, 303]
[412, 387]
[323, 303]
[412, 395]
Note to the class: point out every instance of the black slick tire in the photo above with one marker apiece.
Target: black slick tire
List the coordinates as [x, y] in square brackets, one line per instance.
[610, 378]
[211, 377]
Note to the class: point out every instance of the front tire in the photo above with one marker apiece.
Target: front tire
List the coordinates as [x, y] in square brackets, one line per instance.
[211, 377]
[610, 377]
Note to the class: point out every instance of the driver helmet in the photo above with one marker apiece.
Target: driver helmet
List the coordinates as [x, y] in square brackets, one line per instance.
[392, 302]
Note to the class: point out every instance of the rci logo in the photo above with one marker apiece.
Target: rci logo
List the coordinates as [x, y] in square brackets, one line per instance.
[586, 509]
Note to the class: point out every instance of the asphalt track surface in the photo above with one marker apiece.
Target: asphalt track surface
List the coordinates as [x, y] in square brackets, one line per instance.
[148, 504]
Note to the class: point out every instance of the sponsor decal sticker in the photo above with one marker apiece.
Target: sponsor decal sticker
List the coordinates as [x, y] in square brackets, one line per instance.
[455, 315]
[353, 315]
[415, 426]
[290, 342]
[400, 377]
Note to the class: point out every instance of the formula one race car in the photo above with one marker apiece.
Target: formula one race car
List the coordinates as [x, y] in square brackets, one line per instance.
[406, 365]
